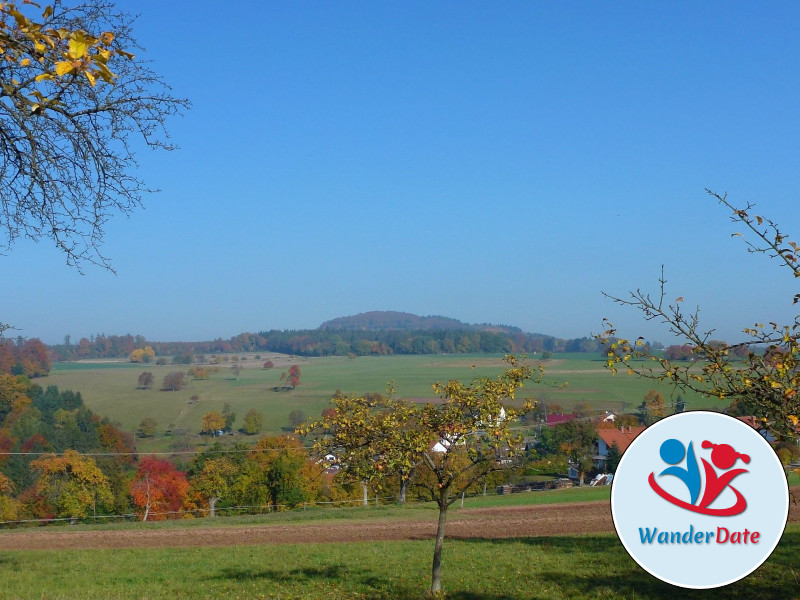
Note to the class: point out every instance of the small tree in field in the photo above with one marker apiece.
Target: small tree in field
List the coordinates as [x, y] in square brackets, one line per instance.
[147, 428]
[213, 422]
[296, 418]
[253, 422]
[146, 380]
[294, 376]
[173, 381]
[455, 443]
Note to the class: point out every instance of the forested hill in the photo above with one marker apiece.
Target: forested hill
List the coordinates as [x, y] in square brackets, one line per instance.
[389, 320]
[377, 333]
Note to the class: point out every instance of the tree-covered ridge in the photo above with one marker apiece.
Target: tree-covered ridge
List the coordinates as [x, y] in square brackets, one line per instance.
[378, 320]
[336, 342]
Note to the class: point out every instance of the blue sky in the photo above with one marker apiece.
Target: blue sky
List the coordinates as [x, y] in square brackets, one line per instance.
[491, 162]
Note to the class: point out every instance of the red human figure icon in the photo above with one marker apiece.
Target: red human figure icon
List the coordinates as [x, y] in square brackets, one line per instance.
[724, 457]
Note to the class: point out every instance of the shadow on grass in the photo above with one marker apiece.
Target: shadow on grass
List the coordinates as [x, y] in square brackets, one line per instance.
[600, 567]
[330, 572]
[9, 562]
[366, 585]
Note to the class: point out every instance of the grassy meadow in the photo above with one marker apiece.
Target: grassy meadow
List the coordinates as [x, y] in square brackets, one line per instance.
[546, 568]
[109, 388]
[579, 567]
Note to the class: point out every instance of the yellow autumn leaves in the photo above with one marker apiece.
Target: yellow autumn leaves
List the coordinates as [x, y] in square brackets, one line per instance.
[43, 53]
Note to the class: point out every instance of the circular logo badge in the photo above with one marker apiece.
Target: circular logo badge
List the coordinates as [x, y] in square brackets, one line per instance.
[699, 499]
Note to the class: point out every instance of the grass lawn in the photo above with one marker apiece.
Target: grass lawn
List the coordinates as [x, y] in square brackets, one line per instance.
[568, 567]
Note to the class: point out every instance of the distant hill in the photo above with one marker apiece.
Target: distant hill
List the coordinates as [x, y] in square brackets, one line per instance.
[369, 333]
[388, 320]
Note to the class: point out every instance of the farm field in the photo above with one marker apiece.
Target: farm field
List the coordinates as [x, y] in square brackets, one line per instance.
[109, 387]
[512, 551]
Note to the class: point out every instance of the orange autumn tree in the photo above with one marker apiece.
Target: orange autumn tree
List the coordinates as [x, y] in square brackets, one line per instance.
[158, 489]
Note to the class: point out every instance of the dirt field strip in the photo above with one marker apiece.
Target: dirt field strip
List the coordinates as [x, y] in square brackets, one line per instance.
[503, 522]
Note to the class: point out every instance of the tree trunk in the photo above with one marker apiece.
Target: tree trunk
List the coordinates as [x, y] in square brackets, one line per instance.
[365, 500]
[212, 503]
[436, 572]
[403, 488]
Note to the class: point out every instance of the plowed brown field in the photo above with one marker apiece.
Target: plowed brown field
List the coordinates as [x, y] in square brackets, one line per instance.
[504, 522]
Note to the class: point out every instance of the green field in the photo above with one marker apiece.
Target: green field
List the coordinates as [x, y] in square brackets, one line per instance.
[109, 388]
[578, 567]
[548, 568]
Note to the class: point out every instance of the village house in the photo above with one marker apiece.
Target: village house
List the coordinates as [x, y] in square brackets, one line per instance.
[621, 436]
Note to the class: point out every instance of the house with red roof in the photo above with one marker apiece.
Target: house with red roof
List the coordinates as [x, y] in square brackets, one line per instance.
[621, 436]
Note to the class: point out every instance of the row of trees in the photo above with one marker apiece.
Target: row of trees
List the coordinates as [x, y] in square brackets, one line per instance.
[327, 342]
[60, 460]
[274, 474]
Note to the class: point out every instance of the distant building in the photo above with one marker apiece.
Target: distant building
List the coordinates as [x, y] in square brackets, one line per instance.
[553, 420]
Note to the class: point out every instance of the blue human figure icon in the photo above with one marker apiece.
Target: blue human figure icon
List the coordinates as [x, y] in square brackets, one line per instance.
[672, 453]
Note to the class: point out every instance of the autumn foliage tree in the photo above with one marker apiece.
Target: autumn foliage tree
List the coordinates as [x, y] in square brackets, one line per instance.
[72, 483]
[142, 355]
[173, 381]
[158, 489]
[285, 471]
[146, 380]
[767, 382]
[73, 98]
[31, 358]
[147, 427]
[455, 443]
[253, 422]
[8, 505]
[214, 482]
[212, 422]
[652, 408]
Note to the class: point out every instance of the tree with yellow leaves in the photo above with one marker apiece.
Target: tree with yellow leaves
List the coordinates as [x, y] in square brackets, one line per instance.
[8, 505]
[142, 355]
[73, 484]
[759, 374]
[454, 443]
[212, 422]
[72, 97]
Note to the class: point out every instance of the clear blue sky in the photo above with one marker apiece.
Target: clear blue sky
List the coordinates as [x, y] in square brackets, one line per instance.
[487, 161]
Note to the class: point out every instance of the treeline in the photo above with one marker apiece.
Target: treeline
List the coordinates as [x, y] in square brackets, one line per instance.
[24, 357]
[58, 460]
[332, 342]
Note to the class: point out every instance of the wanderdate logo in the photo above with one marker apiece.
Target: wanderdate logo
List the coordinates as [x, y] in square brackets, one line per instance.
[699, 499]
[723, 457]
